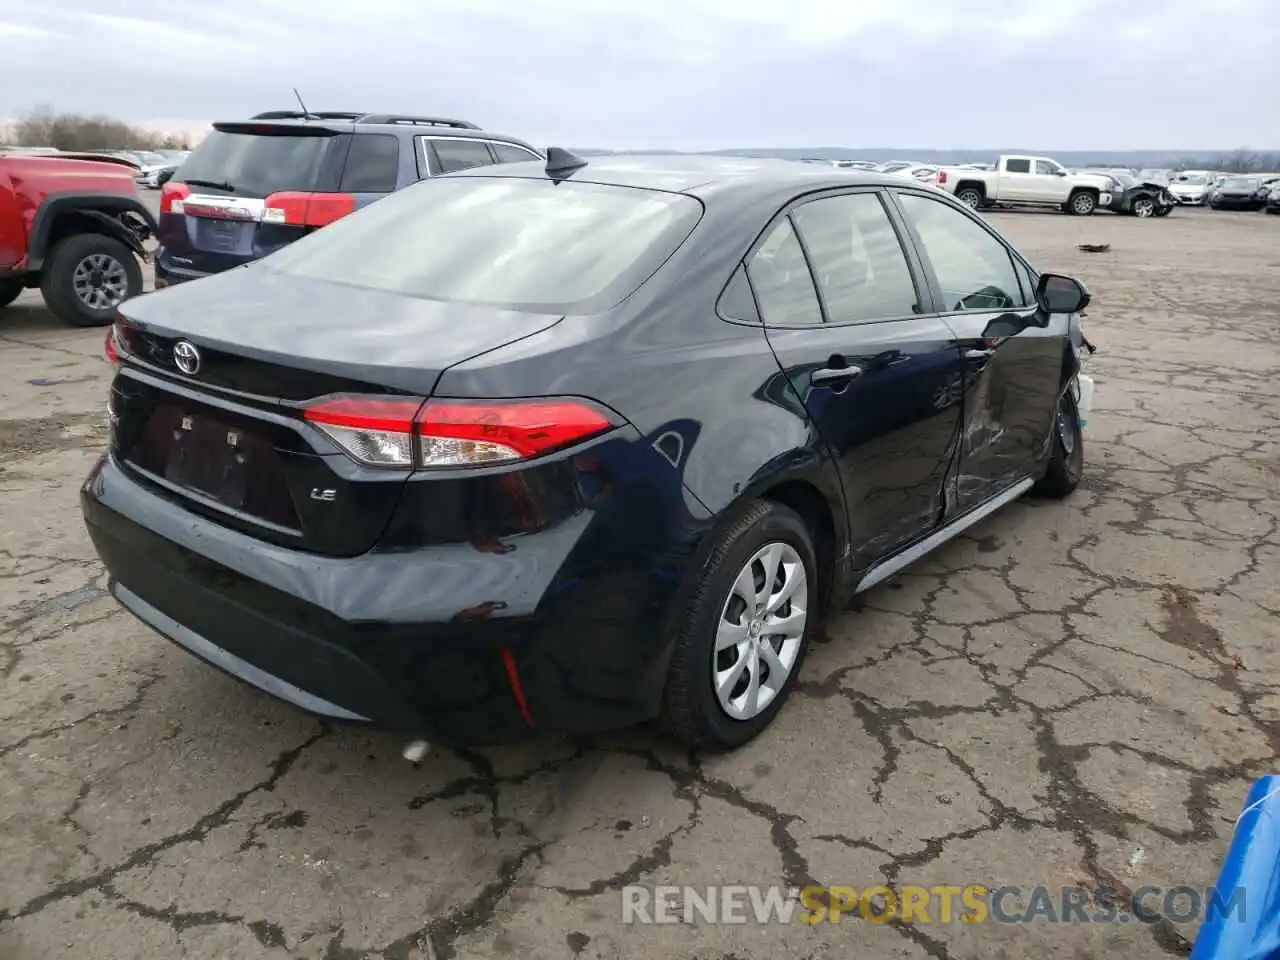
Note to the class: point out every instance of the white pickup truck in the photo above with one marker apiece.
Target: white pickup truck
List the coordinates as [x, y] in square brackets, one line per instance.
[1027, 180]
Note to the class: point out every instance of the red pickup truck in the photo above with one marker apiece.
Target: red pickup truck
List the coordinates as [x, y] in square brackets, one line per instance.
[74, 226]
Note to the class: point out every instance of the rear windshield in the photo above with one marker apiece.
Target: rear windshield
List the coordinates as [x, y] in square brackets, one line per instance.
[1242, 183]
[513, 243]
[254, 164]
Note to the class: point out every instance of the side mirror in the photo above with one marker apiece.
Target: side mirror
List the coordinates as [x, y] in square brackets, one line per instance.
[165, 176]
[1058, 294]
[1059, 172]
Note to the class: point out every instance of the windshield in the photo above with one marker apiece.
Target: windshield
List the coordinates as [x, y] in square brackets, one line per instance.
[147, 156]
[1241, 183]
[1124, 179]
[254, 164]
[511, 243]
[893, 166]
[1193, 181]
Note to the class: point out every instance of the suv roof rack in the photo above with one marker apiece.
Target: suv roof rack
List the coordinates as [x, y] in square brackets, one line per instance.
[299, 115]
[424, 121]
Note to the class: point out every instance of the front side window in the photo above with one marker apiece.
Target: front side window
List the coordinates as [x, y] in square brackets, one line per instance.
[858, 264]
[782, 282]
[974, 269]
[516, 243]
[1046, 169]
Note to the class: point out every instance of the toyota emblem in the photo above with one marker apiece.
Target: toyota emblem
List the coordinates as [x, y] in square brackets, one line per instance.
[187, 357]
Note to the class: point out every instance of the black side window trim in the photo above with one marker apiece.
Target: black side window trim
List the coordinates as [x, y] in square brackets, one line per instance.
[926, 288]
[935, 288]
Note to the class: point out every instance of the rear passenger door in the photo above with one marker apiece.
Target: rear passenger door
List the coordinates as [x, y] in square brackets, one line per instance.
[847, 317]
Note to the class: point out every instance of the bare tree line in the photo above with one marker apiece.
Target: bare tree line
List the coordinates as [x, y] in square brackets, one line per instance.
[45, 127]
[1249, 161]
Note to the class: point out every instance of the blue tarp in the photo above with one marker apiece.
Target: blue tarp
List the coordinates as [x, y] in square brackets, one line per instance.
[1252, 866]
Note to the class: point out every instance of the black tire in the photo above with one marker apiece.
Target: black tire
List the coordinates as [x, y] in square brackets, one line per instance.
[1163, 211]
[1082, 203]
[57, 281]
[10, 290]
[1066, 462]
[691, 710]
[971, 197]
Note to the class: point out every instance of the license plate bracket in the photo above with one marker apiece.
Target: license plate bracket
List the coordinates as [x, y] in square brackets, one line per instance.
[210, 458]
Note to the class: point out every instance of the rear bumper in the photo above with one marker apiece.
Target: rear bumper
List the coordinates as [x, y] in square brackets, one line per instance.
[417, 642]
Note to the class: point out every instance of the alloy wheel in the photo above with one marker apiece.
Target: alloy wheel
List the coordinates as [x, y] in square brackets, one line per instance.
[100, 281]
[760, 631]
[1143, 207]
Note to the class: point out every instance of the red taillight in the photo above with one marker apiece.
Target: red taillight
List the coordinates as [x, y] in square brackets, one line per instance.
[112, 350]
[373, 430]
[307, 209]
[460, 432]
[381, 431]
[172, 195]
[942, 176]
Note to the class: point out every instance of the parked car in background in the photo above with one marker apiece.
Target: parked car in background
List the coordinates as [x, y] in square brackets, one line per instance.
[73, 226]
[254, 186]
[1273, 201]
[1037, 181]
[1190, 188]
[1239, 193]
[1157, 176]
[423, 495]
[924, 172]
[1135, 197]
[893, 166]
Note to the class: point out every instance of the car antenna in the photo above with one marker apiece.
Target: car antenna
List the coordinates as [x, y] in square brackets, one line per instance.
[562, 162]
[306, 114]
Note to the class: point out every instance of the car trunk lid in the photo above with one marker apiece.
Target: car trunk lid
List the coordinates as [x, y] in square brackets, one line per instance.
[210, 404]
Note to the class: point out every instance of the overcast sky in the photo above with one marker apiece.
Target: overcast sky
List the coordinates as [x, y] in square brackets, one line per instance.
[695, 74]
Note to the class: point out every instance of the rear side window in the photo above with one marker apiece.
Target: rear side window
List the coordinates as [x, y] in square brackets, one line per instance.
[858, 263]
[1017, 166]
[781, 280]
[454, 155]
[257, 164]
[510, 243]
[509, 153]
[373, 164]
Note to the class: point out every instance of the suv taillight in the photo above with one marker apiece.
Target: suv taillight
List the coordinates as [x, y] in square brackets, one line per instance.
[307, 209]
[942, 176]
[172, 195]
[406, 432]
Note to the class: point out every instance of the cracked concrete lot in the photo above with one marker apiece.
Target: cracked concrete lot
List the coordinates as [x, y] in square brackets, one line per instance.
[1073, 693]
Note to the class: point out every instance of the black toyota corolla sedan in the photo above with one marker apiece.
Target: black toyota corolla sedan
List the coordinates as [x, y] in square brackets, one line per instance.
[565, 446]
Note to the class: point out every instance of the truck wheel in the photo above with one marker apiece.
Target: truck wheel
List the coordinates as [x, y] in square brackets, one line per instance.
[87, 276]
[970, 196]
[1082, 204]
[1144, 207]
[9, 291]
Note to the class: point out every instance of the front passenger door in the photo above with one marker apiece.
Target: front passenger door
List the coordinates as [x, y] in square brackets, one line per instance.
[878, 376]
[1011, 351]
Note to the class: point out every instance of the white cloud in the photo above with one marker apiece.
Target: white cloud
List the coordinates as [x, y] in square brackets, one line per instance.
[693, 73]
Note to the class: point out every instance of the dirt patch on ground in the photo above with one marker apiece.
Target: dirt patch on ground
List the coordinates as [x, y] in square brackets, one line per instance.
[27, 438]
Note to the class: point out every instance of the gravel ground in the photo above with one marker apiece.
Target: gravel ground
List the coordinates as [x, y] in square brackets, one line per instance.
[1072, 693]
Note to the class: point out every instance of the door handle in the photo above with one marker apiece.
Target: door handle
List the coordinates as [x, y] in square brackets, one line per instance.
[834, 374]
[976, 354]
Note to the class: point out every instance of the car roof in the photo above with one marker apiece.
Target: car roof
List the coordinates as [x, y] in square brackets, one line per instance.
[350, 123]
[700, 176]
